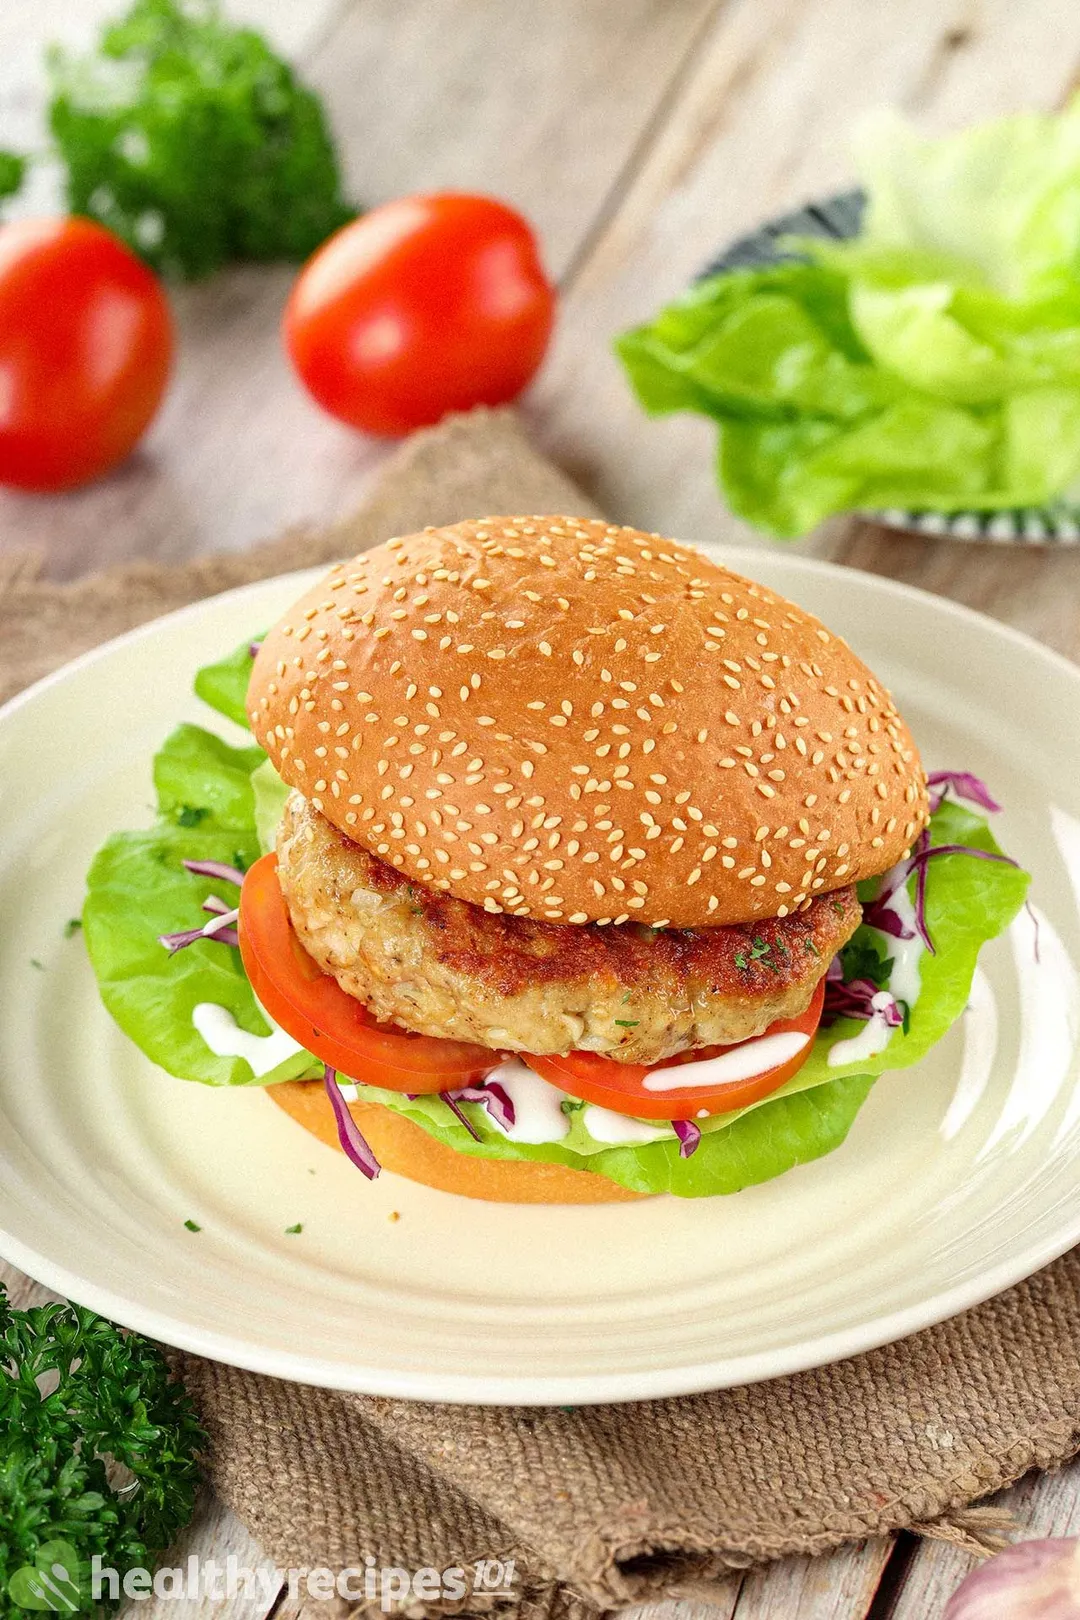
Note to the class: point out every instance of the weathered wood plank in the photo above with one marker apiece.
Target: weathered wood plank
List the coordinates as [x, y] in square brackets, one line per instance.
[545, 105]
[836, 1586]
[542, 104]
[762, 123]
[719, 1606]
[1044, 1505]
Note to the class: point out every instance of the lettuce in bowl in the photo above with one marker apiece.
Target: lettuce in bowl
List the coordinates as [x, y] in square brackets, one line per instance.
[933, 361]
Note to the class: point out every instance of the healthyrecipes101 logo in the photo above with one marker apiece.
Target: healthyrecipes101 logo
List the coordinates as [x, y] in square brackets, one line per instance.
[60, 1583]
[54, 1581]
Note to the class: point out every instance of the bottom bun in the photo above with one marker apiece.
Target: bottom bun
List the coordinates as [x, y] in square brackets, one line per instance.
[408, 1150]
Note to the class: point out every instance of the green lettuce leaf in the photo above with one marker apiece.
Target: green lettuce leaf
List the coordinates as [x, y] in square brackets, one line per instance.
[269, 793]
[968, 902]
[216, 802]
[997, 201]
[224, 685]
[735, 1152]
[932, 362]
[137, 888]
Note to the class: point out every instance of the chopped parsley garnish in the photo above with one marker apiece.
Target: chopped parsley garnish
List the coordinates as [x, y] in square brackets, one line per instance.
[72, 926]
[760, 951]
[190, 815]
[811, 947]
[627, 1023]
[34, 963]
[193, 1226]
[291, 1230]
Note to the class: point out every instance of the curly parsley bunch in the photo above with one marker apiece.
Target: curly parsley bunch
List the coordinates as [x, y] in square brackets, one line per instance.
[194, 141]
[98, 1448]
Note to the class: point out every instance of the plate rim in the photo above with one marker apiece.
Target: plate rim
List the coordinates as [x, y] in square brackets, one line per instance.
[551, 1390]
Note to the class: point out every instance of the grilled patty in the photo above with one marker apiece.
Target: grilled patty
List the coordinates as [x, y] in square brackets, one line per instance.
[444, 967]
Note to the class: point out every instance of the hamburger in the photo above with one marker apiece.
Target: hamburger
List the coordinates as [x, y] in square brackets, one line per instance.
[591, 868]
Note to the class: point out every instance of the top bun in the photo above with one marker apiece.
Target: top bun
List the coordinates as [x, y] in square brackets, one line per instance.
[559, 718]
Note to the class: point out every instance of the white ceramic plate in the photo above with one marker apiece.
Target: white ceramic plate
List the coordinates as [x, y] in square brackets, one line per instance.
[959, 1177]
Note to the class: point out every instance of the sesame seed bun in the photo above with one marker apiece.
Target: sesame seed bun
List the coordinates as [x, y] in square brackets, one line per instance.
[408, 1150]
[562, 719]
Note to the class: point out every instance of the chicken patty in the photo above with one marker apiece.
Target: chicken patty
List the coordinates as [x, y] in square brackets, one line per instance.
[444, 967]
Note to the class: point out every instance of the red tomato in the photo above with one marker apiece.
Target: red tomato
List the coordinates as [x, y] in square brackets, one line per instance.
[424, 306]
[620, 1086]
[86, 343]
[333, 1026]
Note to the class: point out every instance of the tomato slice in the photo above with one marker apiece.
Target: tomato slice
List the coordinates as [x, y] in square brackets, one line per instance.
[621, 1086]
[332, 1025]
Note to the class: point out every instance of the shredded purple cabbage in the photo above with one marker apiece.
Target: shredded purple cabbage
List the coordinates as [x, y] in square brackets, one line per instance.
[1030, 909]
[451, 1102]
[352, 1142]
[855, 999]
[218, 907]
[689, 1136]
[253, 648]
[219, 928]
[880, 915]
[965, 785]
[492, 1094]
[497, 1101]
[215, 869]
[920, 892]
[922, 855]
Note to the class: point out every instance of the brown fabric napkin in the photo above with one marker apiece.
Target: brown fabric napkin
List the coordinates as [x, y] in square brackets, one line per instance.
[604, 1505]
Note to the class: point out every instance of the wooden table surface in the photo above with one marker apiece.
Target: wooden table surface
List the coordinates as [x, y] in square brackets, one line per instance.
[639, 136]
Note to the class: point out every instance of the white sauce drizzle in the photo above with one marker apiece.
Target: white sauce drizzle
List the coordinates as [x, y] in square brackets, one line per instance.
[873, 1038]
[618, 1130]
[905, 979]
[538, 1114]
[740, 1063]
[225, 1038]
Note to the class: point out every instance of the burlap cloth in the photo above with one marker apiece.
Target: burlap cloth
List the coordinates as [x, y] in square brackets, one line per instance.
[597, 1506]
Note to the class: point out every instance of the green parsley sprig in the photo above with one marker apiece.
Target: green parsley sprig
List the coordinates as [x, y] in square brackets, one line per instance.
[12, 171]
[194, 142]
[82, 1402]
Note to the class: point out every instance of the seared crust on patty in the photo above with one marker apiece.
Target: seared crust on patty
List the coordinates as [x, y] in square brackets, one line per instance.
[447, 968]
